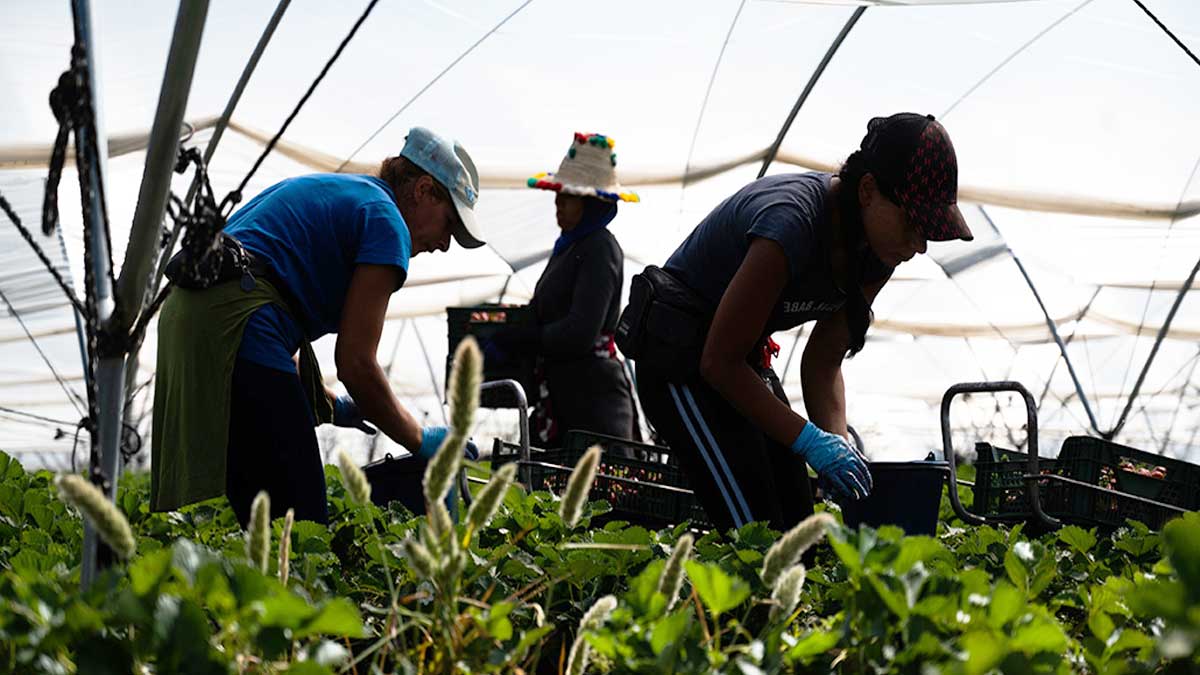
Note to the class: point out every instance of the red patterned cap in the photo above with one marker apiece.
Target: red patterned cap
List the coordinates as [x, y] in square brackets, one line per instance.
[914, 165]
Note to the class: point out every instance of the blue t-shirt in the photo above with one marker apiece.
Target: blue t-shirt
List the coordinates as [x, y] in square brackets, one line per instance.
[312, 231]
[793, 210]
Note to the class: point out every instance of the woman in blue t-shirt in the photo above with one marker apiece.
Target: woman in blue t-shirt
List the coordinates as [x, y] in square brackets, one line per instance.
[237, 392]
[782, 251]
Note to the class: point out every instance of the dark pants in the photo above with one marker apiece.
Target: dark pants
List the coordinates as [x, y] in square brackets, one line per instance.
[738, 473]
[273, 445]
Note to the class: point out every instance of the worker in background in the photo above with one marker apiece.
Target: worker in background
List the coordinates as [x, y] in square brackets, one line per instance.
[782, 251]
[238, 392]
[581, 381]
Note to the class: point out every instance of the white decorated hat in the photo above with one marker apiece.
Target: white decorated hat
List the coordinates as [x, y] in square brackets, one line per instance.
[588, 170]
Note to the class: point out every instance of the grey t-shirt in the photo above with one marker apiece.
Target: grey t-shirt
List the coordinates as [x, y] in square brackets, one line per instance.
[792, 210]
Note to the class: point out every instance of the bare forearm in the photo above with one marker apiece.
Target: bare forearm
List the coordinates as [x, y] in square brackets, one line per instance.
[825, 397]
[749, 395]
[369, 387]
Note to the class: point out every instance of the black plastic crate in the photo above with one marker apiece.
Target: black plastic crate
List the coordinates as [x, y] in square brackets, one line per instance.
[1117, 467]
[1000, 491]
[481, 321]
[1129, 471]
[641, 482]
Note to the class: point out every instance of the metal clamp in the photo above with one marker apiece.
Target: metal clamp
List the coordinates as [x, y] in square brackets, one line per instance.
[1031, 478]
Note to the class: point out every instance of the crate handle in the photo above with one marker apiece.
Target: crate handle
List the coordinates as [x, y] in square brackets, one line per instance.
[1031, 486]
[522, 406]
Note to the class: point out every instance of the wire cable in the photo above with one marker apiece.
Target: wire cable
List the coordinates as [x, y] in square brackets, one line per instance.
[1029, 43]
[432, 82]
[25, 234]
[236, 196]
[687, 167]
[34, 416]
[1167, 31]
[73, 397]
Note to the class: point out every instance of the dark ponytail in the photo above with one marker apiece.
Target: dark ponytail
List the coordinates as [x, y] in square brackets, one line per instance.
[852, 240]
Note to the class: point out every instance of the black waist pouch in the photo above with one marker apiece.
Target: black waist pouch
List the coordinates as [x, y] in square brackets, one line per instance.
[225, 260]
[665, 323]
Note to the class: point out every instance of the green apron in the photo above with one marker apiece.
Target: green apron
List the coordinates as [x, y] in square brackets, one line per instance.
[199, 334]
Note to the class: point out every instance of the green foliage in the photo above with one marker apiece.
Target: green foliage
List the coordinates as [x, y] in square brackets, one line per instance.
[970, 600]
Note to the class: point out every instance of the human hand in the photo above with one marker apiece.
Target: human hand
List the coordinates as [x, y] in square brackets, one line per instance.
[840, 466]
[432, 439]
[347, 414]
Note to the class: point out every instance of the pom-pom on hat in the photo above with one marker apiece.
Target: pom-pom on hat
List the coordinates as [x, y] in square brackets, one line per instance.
[588, 170]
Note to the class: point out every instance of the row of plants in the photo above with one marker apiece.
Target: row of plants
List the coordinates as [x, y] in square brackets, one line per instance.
[548, 584]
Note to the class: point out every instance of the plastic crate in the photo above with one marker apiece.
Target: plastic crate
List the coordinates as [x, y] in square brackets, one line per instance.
[641, 482]
[1000, 491]
[1117, 467]
[907, 494]
[481, 321]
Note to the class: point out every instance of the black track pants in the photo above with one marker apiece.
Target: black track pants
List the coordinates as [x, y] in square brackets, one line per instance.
[738, 473]
[273, 446]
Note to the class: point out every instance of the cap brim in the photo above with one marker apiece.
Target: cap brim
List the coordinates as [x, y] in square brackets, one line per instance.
[940, 223]
[467, 232]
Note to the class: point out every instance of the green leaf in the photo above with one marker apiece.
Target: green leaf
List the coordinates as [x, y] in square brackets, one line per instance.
[984, 651]
[918, 549]
[1101, 625]
[667, 631]
[1182, 542]
[1016, 571]
[497, 623]
[846, 552]
[1006, 604]
[340, 617]
[891, 598]
[148, 571]
[531, 638]
[1039, 636]
[183, 633]
[285, 610]
[813, 644]
[717, 590]
[1077, 538]
[1129, 639]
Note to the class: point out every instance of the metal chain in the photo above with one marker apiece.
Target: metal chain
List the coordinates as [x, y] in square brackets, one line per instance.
[28, 237]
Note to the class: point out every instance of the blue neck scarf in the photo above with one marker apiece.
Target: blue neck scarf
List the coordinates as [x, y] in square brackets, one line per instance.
[597, 214]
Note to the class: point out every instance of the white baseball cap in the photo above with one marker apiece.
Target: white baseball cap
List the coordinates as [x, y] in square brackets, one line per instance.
[449, 164]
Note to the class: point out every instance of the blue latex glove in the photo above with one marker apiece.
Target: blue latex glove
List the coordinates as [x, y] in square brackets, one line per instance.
[432, 438]
[840, 467]
[347, 414]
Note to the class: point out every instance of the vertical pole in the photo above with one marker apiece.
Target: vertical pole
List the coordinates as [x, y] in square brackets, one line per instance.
[156, 182]
[101, 258]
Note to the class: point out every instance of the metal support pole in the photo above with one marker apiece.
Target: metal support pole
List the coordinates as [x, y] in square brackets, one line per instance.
[218, 132]
[101, 256]
[1158, 340]
[812, 82]
[156, 179]
[160, 158]
[1062, 347]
